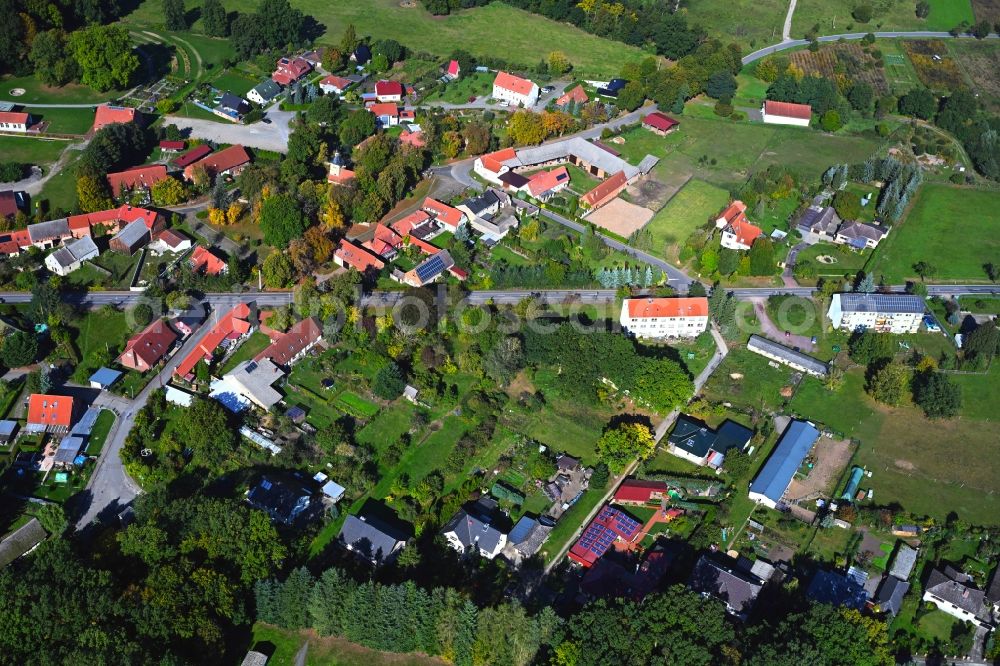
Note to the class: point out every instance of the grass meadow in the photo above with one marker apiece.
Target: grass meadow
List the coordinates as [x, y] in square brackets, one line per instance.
[951, 228]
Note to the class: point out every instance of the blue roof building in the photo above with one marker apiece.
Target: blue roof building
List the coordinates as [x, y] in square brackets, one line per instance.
[104, 378]
[772, 481]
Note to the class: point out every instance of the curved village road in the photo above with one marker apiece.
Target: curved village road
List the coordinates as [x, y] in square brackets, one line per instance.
[790, 44]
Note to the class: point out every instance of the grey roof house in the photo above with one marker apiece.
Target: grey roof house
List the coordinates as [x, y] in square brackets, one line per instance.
[890, 596]
[472, 530]
[71, 256]
[952, 592]
[720, 577]
[903, 562]
[693, 440]
[372, 538]
[283, 501]
[820, 220]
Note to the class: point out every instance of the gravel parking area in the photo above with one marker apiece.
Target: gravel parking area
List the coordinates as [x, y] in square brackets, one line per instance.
[267, 136]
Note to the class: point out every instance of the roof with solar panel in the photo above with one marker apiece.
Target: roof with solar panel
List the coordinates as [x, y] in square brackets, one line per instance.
[610, 525]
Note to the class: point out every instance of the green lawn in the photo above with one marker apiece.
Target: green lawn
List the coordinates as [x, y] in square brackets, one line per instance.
[527, 38]
[60, 189]
[691, 208]
[759, 386]
[834, 16]
[388, 426]
[353, 404]
[944, 228]
[66, 121]
[234, 82]
[32, 151]
[848, 262]
[252, 346]
[38, 93]
[424, 457]
[569, 522]
[753, 23]
[477, 84]
[99, 434]
[99, 329]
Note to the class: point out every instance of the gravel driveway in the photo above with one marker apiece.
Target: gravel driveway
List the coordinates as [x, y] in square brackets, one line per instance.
[267, 136]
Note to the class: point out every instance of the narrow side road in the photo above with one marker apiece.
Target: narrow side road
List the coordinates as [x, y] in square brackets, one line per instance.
[721, 350]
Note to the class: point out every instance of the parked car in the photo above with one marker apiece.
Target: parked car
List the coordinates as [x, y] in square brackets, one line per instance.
[548, 89]
[812, 339]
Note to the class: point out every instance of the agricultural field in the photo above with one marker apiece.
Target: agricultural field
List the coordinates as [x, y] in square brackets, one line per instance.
[834, 16]
[690, 209]
[981, 64]
[986, 10]
[936, 69]
[851, 60]
[944, 228]
[899, 70]
[528, 38]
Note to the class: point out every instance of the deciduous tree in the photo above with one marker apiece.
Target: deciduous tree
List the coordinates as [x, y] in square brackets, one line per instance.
[621, 445]
[104, 54]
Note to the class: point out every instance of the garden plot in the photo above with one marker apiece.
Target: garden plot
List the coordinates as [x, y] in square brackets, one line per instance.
[850, 60]
[829, 457]
[937, 70]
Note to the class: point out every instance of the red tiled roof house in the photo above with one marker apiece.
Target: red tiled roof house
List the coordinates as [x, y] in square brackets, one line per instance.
[107, 114]
[389, 91]
[605, 192]
[611, 527]
[515, 90]
[737, 231]
[228, 162]
[49, 413]
[290, 70]
[14, 121]
[638, 491]
[136, 181]
[349, 255]
[203, 260]
[293, 345]
[147, 348]
[233, 325]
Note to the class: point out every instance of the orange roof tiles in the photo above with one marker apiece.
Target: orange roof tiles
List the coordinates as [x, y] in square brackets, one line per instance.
[222, 161]
[404, 226]
[356, 257]
[108, 115]
[338, 82]
[606, 191]
[513, 83]
[443, 213]
[788, 110]
[204, 260]
[384, 109]
[494, 161]
[136, 177]
[695, 306]
[735, 212]
[745, 232]
[545, 181]
[290, 344]
[233, 324]
[50, 410]
[415, 139]
[578, 95]
[14, 117]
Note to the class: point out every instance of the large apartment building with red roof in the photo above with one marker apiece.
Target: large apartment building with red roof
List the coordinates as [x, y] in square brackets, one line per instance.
[515, 90]
[678, 317]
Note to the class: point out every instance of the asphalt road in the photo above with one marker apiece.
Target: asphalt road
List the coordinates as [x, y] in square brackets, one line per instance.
[792, 43]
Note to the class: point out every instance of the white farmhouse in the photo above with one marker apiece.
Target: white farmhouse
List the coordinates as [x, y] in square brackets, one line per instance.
[515, 90]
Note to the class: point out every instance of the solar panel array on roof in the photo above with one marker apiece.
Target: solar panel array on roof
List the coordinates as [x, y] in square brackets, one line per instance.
[882, 303]
[562, 176]
[430, 268]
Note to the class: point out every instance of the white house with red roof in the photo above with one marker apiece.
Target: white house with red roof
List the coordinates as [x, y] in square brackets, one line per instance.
[388, 91]
[493, 165]
[515, 90]
[737, 231]
[544, 184]
[349, 255]
[136, 180]
[786, 113]
[14, 121]
[684, 317]
[386, 113]
[203, 260]
[334, 85]
[385, 242]
[290, 70]
[447, 216]
[453, 70]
